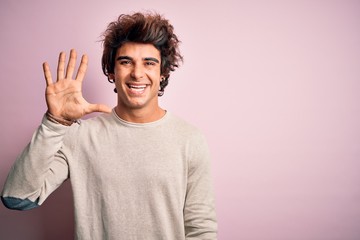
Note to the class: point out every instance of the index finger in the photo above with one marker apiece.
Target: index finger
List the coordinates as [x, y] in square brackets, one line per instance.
[82, 68]
[47, 74]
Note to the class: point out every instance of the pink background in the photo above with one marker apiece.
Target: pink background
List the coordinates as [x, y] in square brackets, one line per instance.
[273, 84]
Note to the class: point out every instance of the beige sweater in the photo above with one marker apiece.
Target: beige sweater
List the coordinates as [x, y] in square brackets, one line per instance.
[130, 181]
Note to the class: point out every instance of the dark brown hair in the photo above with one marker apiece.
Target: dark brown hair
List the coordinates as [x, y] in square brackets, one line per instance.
[142, 28]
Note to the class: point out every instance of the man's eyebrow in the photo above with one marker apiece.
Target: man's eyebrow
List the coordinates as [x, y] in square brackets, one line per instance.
[151, 59]
[123, 57]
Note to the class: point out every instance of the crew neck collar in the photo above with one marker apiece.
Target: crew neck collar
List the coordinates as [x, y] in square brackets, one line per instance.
[154, 123]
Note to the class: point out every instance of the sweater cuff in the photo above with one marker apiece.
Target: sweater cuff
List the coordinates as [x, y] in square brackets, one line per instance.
[56, 127]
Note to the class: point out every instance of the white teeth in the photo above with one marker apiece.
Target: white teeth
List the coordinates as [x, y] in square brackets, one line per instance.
[137, 88]
[141, 87]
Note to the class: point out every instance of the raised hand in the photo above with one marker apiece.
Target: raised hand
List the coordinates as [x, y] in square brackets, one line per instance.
[64, 97]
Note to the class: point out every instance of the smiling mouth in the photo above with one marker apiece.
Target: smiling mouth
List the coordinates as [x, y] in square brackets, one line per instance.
[137, 88]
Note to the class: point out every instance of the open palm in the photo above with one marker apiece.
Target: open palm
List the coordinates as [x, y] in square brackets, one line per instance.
[64, 97]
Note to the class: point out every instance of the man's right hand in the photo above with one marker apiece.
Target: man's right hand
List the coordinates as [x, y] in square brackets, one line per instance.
[64, 97]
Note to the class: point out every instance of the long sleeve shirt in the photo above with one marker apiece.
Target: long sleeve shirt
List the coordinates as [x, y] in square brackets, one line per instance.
[129, 180]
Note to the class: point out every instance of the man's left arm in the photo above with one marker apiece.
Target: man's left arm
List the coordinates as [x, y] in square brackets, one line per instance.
[199, 210]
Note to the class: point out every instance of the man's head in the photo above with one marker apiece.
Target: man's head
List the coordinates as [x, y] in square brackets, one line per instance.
[142, 28]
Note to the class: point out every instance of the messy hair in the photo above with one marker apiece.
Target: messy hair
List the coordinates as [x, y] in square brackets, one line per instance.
[142, 28]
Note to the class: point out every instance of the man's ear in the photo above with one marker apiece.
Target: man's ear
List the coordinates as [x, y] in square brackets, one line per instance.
[112, 76]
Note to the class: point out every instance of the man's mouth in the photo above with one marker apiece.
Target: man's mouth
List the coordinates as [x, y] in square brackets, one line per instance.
[137, 88]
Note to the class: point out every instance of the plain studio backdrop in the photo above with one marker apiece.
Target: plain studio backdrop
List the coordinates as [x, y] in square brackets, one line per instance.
[274, 85]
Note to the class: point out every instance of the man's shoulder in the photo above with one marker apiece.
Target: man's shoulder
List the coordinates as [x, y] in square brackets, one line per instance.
[184, 127]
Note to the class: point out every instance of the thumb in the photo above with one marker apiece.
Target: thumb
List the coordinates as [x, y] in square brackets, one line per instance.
[98, 108]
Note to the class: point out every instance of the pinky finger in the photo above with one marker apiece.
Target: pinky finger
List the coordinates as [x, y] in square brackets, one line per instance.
[47, 74]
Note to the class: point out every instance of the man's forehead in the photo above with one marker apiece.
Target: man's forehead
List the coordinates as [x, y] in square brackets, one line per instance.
[136, 50]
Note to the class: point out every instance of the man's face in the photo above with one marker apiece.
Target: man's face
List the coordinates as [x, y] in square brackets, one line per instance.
[137, 75]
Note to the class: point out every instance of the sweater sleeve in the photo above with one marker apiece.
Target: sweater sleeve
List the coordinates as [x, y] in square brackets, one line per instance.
[39, 170]
[199, 211]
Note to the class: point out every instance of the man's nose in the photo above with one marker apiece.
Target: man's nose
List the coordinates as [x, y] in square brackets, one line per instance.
[137, 72]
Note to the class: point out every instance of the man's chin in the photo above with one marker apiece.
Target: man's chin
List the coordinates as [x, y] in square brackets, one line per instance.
[134, 105]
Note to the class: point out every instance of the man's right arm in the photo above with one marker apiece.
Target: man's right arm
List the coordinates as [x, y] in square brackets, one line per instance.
[42, 166]
[39, 170]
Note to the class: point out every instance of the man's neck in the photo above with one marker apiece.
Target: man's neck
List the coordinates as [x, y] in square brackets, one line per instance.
[140, 115]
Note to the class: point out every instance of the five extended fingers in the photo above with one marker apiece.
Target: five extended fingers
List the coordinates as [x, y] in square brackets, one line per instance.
[69, 73]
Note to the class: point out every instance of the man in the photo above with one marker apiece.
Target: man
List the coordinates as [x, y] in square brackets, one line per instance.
[137, 171]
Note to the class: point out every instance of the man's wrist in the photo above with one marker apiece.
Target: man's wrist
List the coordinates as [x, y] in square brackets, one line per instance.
[59, 120]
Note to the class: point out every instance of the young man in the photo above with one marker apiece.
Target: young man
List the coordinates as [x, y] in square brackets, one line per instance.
[137, 171]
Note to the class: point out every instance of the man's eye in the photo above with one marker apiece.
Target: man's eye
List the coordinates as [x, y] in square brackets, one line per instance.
[150, 63]
[125, 62]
